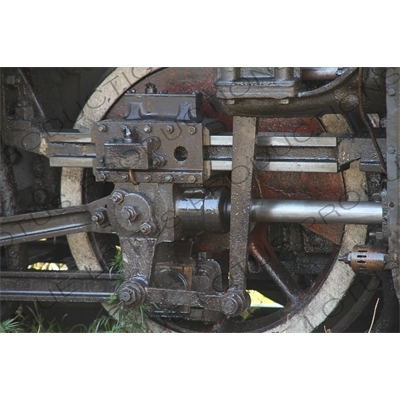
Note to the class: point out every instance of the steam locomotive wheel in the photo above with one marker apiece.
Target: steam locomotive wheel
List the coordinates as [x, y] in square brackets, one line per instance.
[324, 295]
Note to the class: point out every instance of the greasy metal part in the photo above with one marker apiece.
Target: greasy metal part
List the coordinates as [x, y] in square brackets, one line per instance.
[353, 148]
[138, 257]
[199, 209]
[280, 166]
[153, 106]
[273, 153]
[275, 82]
[132, 292]
[365, 259]
[320, 74]
[391, 223]
[244, 138]
[366, 122]
[336, 97]
[265, 257]
[232, 303]
[52, 223]
[285, 140]
[316, 212]
[57, 286]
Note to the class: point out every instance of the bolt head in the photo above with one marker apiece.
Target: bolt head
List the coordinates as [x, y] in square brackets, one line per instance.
[391, 91]
[191, 179]
[192, 130]
[147, 178]
[169, 128]
[147, 129]
[391, 150]
[102, 128]
[169, 178]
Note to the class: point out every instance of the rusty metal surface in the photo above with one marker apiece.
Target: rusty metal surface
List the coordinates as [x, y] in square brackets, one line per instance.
[154, 183]
[244, 139]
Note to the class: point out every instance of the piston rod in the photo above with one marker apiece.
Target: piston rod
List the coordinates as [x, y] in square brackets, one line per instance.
[317, 212]
[212, 212]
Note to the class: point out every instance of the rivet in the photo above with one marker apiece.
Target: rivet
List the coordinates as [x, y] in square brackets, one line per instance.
[391, 91]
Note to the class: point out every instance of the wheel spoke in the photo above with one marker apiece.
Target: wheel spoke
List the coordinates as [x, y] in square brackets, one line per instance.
[267, 259]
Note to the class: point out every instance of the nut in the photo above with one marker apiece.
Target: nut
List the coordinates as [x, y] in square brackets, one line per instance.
[191, 179]
[99, 217]
[128, 213]
[169, 128]
[117, 197]
[103, 176]
[192, 130]
[147, 228]
[102, 128]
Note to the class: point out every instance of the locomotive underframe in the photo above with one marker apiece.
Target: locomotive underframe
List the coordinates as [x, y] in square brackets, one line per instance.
[161, 195]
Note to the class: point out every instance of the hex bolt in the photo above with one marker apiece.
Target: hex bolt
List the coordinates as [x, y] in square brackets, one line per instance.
[391, 150]
[132, 293]
[102, 128]
[103, 176]
[192, 130]
[150, 88]
[127, 295]
[191, 179]
[230, 306]
[147, 228]
[124, 177]
[391, 91]
[157, 162]
[99, 217]
[147, 128]
[117, 197]
[128, 213]
[169, 129]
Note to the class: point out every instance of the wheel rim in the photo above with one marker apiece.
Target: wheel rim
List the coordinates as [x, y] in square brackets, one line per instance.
[304, 318]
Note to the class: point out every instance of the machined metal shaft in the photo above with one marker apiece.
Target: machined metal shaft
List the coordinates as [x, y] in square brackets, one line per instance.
[316, 212]
[213, 211]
